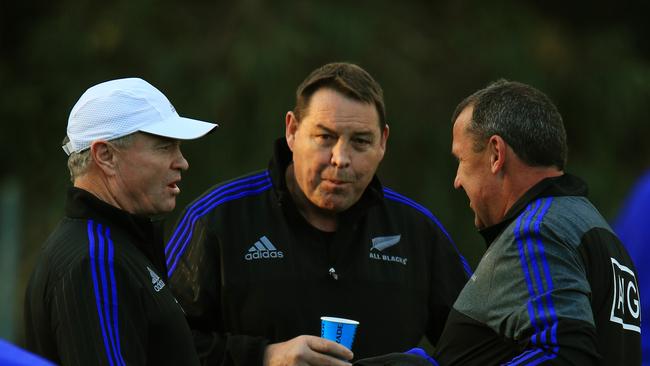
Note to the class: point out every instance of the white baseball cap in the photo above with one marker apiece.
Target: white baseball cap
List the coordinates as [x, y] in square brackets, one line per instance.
[117, 108]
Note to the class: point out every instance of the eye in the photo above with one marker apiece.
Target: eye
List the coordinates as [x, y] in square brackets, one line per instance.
[325, 138]
[361, 141]
[168, 146]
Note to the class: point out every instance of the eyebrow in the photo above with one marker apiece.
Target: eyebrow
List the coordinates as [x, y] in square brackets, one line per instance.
[360, 133]
[162, 140]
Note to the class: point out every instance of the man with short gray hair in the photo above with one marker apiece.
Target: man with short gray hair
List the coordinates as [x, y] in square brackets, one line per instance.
[97, 295]
[556, 286]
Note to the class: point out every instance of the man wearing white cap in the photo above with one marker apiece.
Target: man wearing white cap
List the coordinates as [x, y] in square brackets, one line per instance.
[98, 295]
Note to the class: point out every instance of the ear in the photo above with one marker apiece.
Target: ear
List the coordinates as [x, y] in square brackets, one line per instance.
[384, 139]
[498, 152]
[291, 126]
[103, 156]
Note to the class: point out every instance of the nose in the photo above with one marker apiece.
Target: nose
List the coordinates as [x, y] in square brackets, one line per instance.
[457, 184]
[340, 155]
[180, 162]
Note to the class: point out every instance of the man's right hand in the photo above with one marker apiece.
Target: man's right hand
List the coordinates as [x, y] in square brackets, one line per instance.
[307, 351]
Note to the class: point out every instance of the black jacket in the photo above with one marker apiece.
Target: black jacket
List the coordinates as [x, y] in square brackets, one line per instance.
[249, 270]
[98, 295]
[555, 287]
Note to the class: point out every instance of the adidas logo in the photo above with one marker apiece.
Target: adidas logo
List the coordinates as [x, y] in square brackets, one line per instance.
[157, 283]
[263, 249]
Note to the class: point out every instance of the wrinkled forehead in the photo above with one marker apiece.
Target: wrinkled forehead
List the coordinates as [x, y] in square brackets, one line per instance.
[331, 109]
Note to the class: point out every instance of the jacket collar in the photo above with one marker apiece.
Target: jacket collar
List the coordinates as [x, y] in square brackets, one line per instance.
[564, 185]
[145, 232]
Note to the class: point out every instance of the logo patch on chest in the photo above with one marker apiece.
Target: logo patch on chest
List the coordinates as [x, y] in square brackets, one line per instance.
[382, 243]
[156, 281]
[263, 249]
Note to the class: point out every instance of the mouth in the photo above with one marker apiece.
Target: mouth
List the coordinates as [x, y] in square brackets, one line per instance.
[336, 182]
[174, 186]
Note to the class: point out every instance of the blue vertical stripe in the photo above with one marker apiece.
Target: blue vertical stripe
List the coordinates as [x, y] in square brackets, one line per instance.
[239, 191]
[537, 283]
[531, 253]
[102, 255]
[548, 277]
[116, 328]
[106, 300]
[528, 213]
[390, 194]
[98, 300]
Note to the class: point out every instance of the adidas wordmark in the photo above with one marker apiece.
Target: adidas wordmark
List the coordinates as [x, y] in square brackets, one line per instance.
[263, 249]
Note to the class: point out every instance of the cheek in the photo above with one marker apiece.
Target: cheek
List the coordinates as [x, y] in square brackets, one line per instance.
[367, 164]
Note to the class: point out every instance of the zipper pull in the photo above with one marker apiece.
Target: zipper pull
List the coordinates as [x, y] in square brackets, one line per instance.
[333, 273]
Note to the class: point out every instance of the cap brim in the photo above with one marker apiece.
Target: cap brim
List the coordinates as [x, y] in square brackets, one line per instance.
[180, 128]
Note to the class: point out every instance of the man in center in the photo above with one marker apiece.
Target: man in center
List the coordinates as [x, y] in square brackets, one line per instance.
[256, 261]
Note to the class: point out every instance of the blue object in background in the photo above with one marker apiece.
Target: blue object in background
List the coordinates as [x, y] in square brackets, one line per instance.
[11, 355]
[633, 228]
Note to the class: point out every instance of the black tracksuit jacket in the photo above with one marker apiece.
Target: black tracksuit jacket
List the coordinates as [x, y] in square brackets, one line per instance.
[555, 287]
[249, 270]
[98, 296]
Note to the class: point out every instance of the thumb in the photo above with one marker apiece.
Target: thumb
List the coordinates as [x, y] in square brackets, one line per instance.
[322, 345]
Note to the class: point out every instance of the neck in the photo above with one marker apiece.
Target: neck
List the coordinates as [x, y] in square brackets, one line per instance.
[525, 178]
[98, 186]
[317, 217]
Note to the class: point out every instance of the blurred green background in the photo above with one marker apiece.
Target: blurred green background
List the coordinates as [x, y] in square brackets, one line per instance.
[238, 63]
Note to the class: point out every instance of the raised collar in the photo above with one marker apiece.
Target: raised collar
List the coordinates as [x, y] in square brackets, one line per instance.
[564, 185]
[146, 233]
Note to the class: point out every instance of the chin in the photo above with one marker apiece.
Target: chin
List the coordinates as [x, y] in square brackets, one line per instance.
[169, 207]
[478, 224]
[331, 206]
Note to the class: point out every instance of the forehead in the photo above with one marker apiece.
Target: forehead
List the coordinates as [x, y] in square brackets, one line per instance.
[331, 109]
[461, 136]
[145, 139]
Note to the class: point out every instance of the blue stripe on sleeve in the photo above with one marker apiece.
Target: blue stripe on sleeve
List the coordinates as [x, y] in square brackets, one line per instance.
[98, 300]
[528, 213]
[114, 303]
[548, 277]
[536, 279]
[105, 296]
[532, 254]
[185, 222]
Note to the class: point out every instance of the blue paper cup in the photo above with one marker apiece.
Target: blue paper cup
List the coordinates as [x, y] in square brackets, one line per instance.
[338, 330]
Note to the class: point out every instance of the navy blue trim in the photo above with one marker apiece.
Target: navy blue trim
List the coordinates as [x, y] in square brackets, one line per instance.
[531, 254]
[524, 357]
[114, 303]
[101, 256]
[183, 233]
[390, 194]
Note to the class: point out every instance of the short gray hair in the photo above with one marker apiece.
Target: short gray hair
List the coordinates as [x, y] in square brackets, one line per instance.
[79, 161]
[523, 116]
